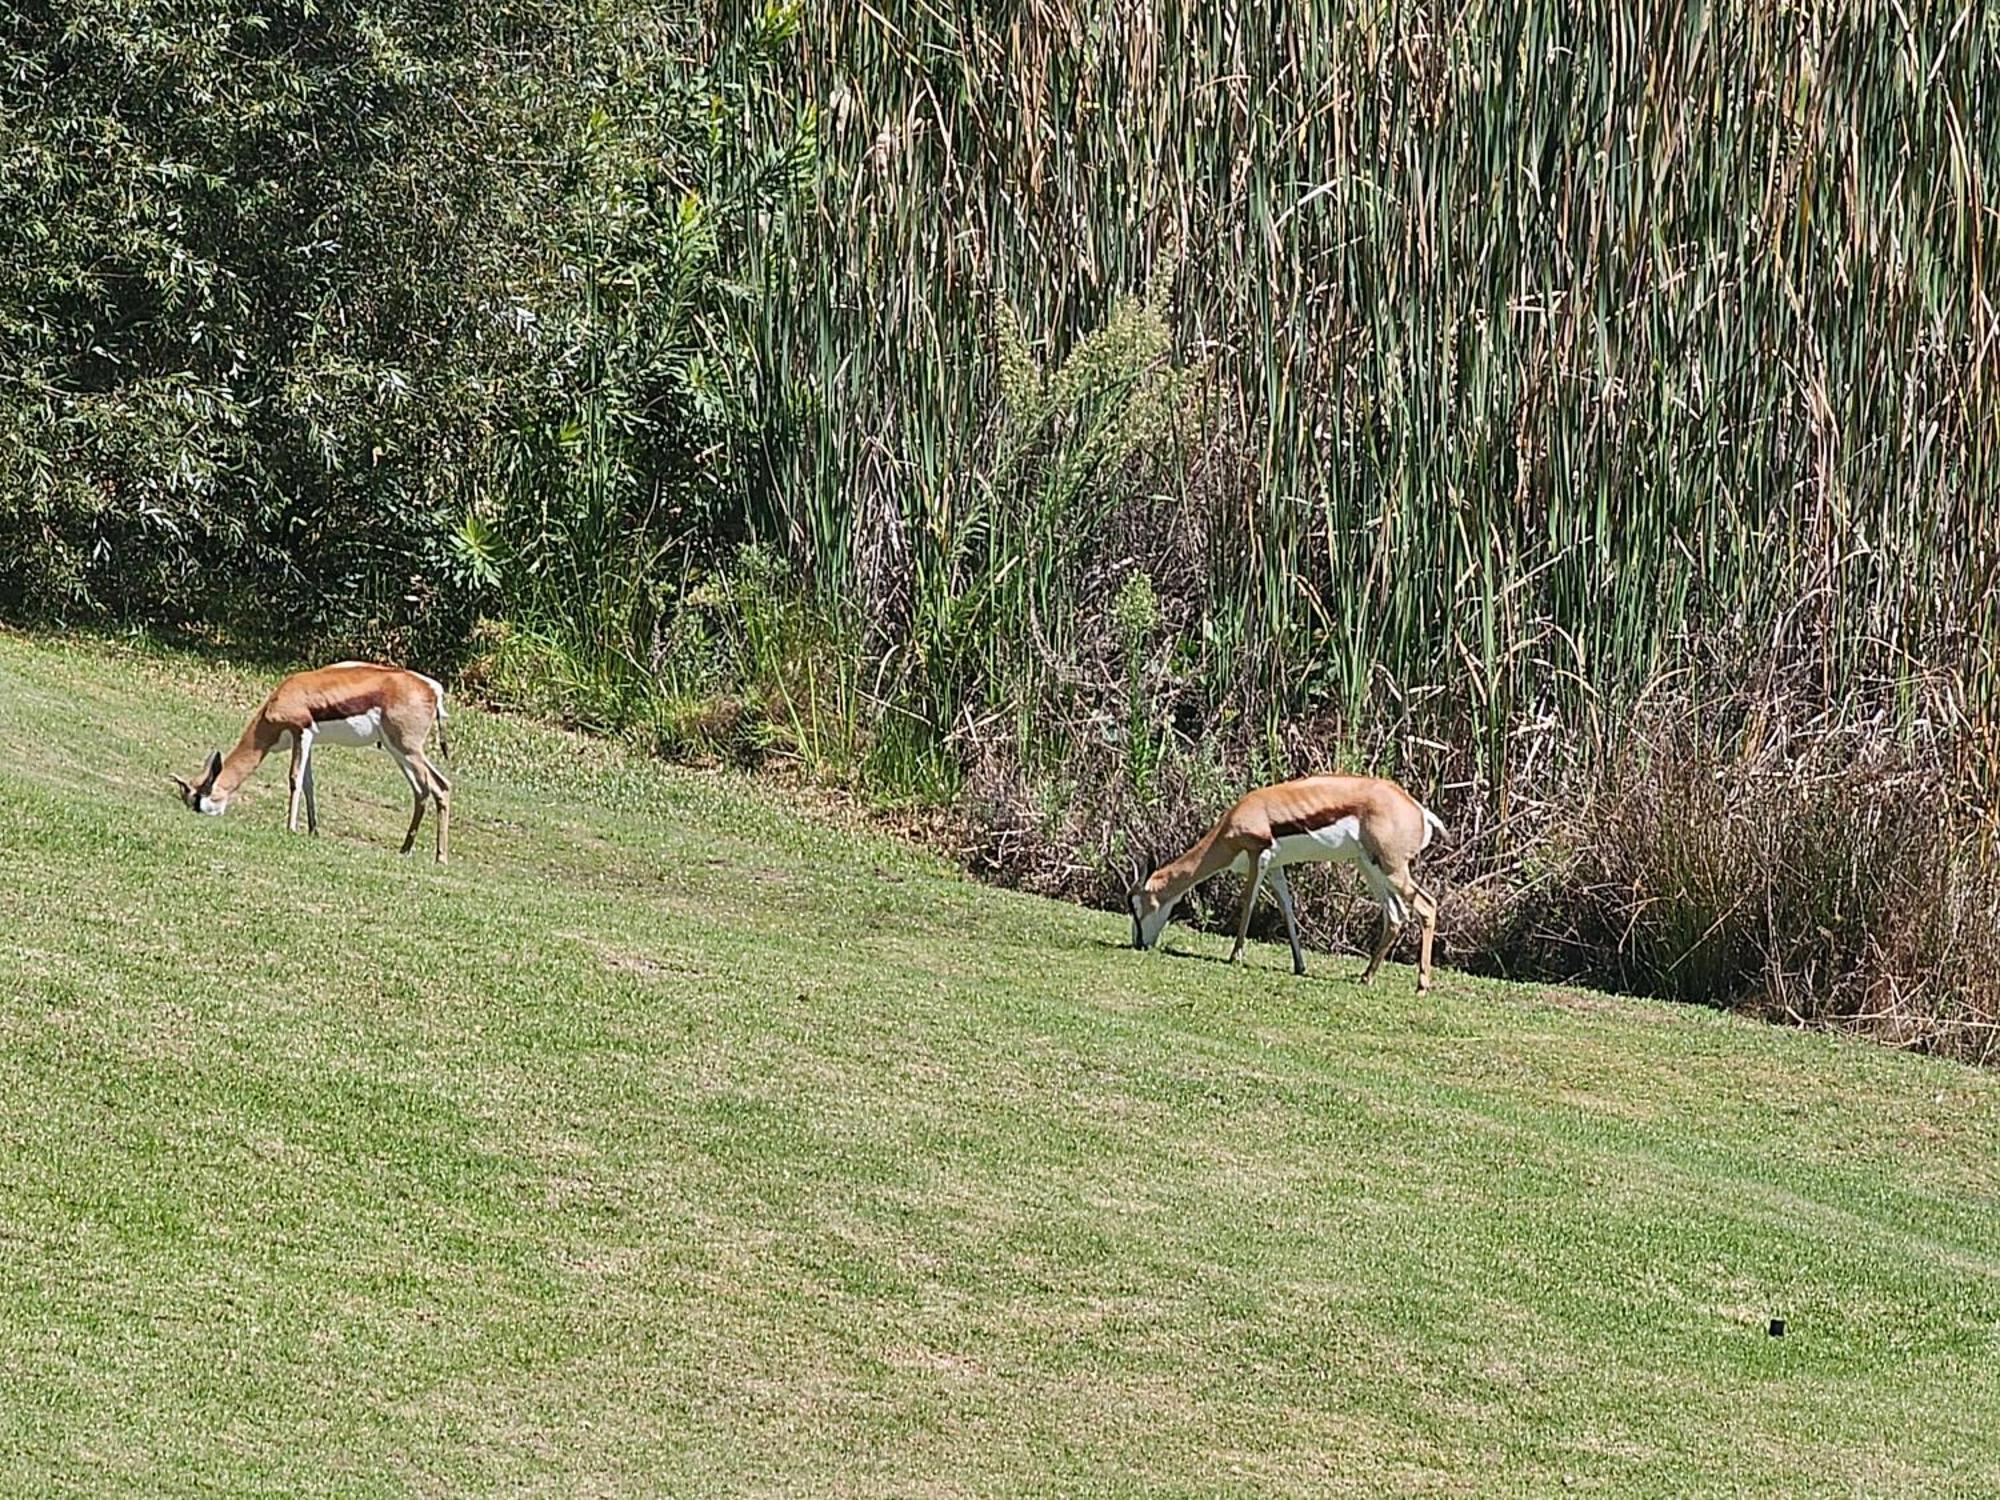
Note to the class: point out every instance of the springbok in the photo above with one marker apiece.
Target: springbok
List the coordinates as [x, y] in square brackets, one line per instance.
[349, 703]
[1364, 821]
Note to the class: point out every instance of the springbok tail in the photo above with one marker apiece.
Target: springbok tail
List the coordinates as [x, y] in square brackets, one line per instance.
[1432, 825]
[437, 692]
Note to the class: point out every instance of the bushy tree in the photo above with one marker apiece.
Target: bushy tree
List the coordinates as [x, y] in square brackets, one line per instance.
[350, 313]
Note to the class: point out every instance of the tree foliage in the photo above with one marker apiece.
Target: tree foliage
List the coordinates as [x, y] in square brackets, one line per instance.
[363, 306]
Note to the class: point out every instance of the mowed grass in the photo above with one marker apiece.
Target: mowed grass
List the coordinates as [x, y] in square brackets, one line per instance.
[673, 1141]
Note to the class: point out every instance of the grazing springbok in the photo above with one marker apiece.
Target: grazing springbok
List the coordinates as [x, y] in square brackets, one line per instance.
[1364, 821]
[349, 703]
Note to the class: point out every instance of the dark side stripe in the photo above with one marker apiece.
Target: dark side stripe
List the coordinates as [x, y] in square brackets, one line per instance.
[1312, 822]
[345, 708]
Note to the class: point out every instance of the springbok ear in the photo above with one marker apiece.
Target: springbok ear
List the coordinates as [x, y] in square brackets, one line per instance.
[214, 769]
[186, 786]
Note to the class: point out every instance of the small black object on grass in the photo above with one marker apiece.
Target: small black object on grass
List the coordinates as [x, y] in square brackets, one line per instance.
[1777, 1328]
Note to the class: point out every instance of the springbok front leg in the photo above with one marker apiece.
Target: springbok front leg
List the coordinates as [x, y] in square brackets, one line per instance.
[1282, 888]
[312, 808]
[1263, 862]
[302, 743]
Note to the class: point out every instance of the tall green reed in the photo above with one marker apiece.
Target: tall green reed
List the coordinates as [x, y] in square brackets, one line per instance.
[1538, 351]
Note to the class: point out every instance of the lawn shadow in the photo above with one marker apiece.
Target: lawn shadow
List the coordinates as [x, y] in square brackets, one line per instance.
[1186, 953]
[1189, 954]
[1164, 952]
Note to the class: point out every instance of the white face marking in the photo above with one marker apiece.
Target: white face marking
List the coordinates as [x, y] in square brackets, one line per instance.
[208, 807]
[1151, 926]
[354, 731]
[1338, 841]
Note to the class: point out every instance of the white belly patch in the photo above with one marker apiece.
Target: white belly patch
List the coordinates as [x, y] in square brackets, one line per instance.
[1339, 840]
[356, 729]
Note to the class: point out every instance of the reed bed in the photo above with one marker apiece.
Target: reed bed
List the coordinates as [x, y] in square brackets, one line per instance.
[1174, 395]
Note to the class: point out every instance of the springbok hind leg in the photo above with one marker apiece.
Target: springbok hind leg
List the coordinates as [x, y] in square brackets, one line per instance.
[419, 790]
[1392, 917]
[440, 794]
[1426, 909]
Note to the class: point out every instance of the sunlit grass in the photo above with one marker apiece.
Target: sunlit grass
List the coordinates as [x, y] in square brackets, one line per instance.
[671, 1141]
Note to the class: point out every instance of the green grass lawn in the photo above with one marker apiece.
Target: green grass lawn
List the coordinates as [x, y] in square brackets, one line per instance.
[670, 1141]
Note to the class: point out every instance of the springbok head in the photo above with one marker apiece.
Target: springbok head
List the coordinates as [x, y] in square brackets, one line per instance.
[195, 794]
[1149, 911]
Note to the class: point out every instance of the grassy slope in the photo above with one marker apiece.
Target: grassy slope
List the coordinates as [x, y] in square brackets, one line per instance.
[667, 1143]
